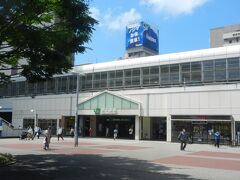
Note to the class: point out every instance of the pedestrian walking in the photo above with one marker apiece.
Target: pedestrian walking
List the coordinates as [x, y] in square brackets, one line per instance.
[60, 133]
[107, 131]
[37, 131]
[72, 132]
[115, 133]
[183, 137]
[130, 132]
[46, 140]
[217, 139]
[30, 133]
[90, 132]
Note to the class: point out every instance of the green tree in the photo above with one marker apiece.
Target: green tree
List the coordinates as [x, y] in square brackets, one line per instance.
[44, 34]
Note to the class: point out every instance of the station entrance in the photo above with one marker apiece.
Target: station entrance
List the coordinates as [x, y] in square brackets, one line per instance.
[103, 126]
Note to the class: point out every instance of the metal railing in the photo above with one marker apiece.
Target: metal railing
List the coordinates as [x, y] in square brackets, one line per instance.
[8, 129]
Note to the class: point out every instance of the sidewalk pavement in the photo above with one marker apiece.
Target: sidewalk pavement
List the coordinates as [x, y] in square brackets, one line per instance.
[97, 158]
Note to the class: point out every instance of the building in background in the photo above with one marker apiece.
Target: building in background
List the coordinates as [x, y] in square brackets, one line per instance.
[225, 36]
[157, 96]
[141, 40]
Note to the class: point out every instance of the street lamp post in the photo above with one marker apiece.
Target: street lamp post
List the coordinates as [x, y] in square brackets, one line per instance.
[76, 115]
[35, 117]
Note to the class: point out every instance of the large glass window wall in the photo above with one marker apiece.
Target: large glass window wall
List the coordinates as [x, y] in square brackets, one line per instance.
[190, 73]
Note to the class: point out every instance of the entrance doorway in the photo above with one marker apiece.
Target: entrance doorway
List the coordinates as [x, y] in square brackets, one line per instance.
[67, 123]
[158, 128]
[106, 125]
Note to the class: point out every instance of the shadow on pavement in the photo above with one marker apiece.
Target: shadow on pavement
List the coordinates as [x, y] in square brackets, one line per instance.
[71, 167]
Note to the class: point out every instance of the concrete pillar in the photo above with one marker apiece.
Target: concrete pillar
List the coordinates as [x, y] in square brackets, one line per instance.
[137, 128]
[169, 129]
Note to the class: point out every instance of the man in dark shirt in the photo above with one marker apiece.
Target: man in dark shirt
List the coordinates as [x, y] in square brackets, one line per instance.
[183, 139]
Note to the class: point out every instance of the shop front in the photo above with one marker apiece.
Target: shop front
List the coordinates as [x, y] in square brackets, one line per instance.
[201, 129]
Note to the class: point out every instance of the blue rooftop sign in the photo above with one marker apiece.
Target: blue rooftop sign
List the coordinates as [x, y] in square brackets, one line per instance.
[142, 34]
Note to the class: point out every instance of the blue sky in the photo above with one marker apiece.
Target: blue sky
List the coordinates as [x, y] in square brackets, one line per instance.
[183, 25]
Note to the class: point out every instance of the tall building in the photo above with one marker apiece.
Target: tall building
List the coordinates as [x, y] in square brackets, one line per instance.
[141, 40]
[225, 36]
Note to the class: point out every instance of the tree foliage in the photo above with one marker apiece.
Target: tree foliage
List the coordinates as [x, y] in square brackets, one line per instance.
[43, 35]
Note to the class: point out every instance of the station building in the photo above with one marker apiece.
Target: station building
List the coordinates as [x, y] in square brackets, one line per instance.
[156, 95]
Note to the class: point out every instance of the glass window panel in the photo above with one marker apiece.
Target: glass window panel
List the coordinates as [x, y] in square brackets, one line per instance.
[136, 81]
[40, 87]
[136, 72]
[22, 88]
[88, 84]
[118, 82]
[31, 88]
[174, 78]
[117, 102]
[103, 83]
[185, 67]
[51, 85]
[185, 77]
[164, 69]
[14, 89]
[220, 64]
[233, 74]
[220, 75]
[96, 76]
[82, 83]
[96, 84]
[89, 77]
[94, 103]
[154, 70]
[126, 104]
[154, 79]
[128, 73]
[145, 79]
[112, 74]
[208, 76]
[62, 84]
[87, 105]
[119, 73]
[103, 75]
[145, 71]
[102, 101]
[6, 90]
[134, 106]
[233, 63]
[109, 101]
[196, 66]
[128, 82]
[196, 76]
[174, 68]
[73, 83]
[165, 79]
[81, 107]
[111, 83]
[207, 65]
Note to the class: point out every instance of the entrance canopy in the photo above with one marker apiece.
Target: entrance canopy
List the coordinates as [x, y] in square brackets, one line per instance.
[108, 103]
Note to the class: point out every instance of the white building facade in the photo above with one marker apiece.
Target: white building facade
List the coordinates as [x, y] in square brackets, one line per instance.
[157, 96]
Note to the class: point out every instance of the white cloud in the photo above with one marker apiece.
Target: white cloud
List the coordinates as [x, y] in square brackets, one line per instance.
[95, 13]
[122, 20]
[173, 7]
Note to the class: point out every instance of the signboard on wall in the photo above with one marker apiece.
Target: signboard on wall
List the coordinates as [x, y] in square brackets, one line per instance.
[142, 35]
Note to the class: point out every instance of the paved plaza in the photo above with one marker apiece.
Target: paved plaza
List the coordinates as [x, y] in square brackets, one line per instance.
[97, 158]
